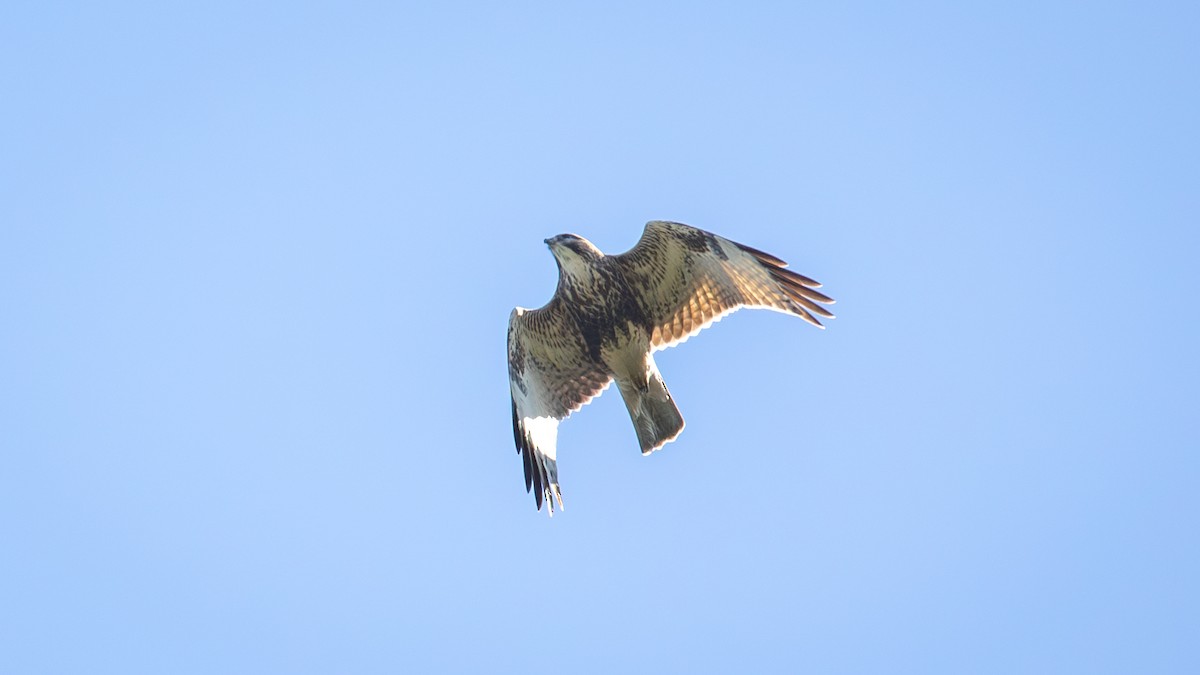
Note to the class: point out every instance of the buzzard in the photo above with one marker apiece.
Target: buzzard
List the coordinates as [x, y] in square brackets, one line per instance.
[608, 316]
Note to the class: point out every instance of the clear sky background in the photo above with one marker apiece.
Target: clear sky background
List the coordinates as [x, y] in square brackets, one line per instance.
[257, 262]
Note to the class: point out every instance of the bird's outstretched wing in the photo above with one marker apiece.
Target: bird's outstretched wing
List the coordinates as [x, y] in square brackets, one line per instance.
[551, 376]
[691, 278]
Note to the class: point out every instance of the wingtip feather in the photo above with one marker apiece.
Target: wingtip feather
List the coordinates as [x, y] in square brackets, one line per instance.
[763, 256]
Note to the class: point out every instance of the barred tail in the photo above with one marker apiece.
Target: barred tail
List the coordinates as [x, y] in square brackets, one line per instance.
[655, 416]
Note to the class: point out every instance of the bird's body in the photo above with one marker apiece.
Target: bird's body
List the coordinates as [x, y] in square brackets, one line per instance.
[610, 313]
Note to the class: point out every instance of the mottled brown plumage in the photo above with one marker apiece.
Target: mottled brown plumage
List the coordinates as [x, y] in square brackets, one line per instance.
[610, 313]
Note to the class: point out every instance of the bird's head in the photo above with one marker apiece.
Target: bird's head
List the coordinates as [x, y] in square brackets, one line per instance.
[573, 253]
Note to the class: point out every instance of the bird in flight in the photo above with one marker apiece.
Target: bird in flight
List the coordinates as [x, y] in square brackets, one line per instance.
[608, 316]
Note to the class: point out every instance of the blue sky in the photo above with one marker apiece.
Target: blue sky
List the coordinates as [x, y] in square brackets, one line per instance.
[256, 264]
